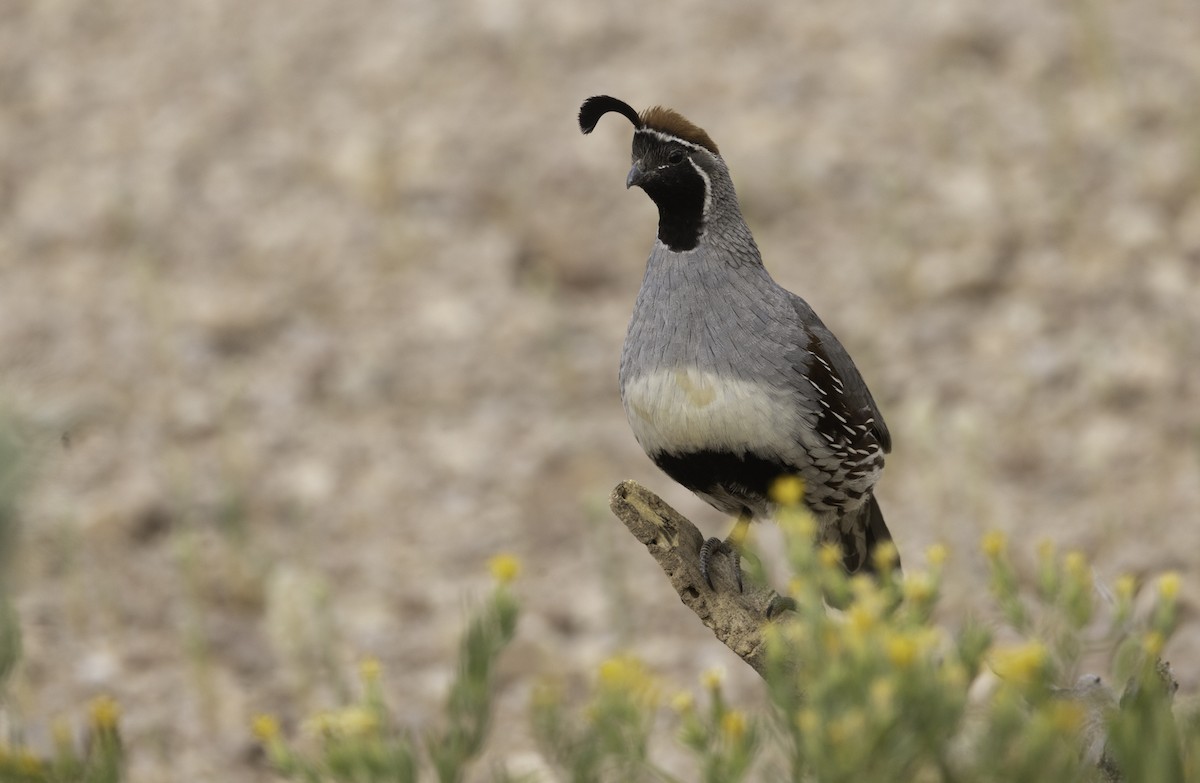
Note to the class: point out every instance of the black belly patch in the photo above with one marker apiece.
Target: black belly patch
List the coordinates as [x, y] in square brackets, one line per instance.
[747, 476]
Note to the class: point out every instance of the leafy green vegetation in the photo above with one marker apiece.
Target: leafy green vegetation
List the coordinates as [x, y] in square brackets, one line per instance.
[360, 741]
[880, 692]
[877, 691]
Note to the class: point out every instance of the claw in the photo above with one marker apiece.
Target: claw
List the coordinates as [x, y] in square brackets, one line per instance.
[713, 546]
[731, 545]
[707, 549]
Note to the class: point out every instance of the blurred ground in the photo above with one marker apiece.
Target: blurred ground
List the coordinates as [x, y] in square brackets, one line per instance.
[307, 308]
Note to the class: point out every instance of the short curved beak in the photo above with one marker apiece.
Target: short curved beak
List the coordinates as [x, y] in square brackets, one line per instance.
[636, 176]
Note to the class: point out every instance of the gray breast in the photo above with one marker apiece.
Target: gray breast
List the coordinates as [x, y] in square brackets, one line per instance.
[708, 376]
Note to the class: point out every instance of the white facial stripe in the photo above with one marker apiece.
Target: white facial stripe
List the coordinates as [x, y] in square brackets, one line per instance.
[707, 186]
[703, 174]
[668, 137]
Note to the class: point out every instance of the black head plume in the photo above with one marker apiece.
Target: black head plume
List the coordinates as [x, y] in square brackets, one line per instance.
[596, 107]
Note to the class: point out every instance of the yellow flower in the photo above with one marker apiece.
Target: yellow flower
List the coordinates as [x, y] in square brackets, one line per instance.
[832, 640]
[1126, 586]
[831, 555]
[808, 721]
[994, 543]
[1153, 643]
[733, 724]
[356, 722]
[1168, 585]
[1076, 566]
[104, 712]
[1066, 716]
[928, 638]
[788, 491]
[626, 674]
[320, 724]
[369, 670]
[865, 589]
[504, 567]
[796, 587]
[917, 587]
[712, 678]
[797, 522]
[901, 650]
[883, 695]
[64, 738]
[953, 675]
[265, 728]
[347, 722]
[683, 702]
[1019, 663]
[886, 556]
[936, 555]
[861, 619]
[618, 671]
[847, 728]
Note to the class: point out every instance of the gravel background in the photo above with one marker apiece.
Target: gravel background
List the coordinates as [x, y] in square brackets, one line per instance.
[307, 308]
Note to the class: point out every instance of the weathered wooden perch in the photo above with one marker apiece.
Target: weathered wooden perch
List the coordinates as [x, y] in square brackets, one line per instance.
[737, 619]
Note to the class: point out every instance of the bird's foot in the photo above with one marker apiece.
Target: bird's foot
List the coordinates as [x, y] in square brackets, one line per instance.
[712, 547]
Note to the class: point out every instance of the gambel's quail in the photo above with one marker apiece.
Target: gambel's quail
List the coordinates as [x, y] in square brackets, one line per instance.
[729, 381]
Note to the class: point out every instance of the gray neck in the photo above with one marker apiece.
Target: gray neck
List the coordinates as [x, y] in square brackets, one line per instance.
[725, 235]
[718, 288]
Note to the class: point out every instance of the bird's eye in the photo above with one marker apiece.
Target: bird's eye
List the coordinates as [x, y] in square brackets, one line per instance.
[675, 157]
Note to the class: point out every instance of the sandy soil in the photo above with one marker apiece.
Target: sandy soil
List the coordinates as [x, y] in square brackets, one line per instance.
[310, 307]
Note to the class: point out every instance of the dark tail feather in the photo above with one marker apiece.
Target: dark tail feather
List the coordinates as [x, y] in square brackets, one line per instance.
[875, 532]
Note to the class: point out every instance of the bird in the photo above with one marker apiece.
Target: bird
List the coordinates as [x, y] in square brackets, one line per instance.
[728, 380]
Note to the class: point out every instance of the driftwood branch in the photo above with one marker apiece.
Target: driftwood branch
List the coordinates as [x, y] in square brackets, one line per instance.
[735, 618]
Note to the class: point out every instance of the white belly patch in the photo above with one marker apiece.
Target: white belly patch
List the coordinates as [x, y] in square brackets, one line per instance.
[684, 409]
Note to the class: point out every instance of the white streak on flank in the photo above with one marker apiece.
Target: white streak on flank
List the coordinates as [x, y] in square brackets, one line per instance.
[688, 409]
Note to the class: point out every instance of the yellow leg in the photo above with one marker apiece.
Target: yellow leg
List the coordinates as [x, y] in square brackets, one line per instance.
[740, 532]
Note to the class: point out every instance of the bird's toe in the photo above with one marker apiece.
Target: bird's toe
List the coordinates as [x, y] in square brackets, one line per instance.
[714, 546]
